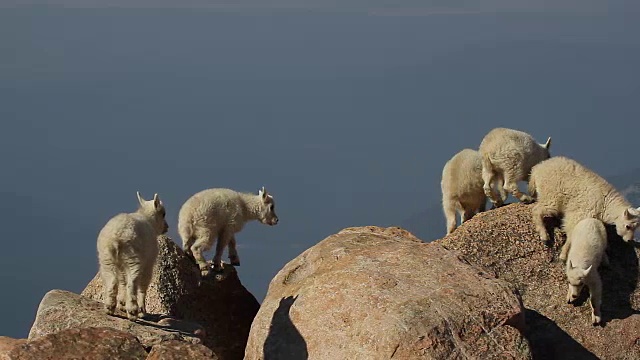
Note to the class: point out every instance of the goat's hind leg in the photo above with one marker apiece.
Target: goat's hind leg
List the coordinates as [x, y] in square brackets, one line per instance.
[511, 186]
[108, 273]
[202, 243]
[488, 179]
[146, 275]
[133, 285]
[122, 291]
[449, 210]
[499, 184]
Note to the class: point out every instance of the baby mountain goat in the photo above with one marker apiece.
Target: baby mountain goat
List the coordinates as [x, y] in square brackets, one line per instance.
[462, 189]
[563, 187]
[583, 251]
[219, 214]
[127, 251]
[510, 154]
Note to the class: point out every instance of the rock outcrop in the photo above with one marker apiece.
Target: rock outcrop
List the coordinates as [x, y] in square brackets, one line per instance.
[7, 344]
[491, 289]
[375, 293]
[224, 307]
[61, 310]
[97, 343]
[505, 242]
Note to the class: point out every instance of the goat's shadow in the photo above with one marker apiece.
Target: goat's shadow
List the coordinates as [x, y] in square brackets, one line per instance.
[152, 320]
[549, 341]
[550, 224]
[620, 278]
[284, 341]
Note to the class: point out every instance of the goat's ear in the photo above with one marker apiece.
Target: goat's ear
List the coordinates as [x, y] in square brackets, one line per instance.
[631, 213]
[140, 199]
[586, 271]
[547, 145]
[156, 200]
[263, 193]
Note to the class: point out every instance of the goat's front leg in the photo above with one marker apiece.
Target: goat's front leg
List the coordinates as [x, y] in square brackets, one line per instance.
[595, 299]
[234, 259]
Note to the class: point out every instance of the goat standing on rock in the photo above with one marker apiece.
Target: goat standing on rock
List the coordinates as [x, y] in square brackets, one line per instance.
[563, 187]
[127, 251]
[583, 251]
[510, 154]
[220, 213]
[462, 189]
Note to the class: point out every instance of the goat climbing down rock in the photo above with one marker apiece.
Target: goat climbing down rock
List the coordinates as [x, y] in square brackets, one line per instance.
[219, 214]
[583, 252]
[462, 187]
[127, 251]
[564, 187]
[510, 154]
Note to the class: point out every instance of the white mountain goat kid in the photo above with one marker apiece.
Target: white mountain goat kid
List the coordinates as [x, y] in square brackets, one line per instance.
[583, 251]
[563, 187]
[219, 214]
[462, 187]
[510, 154]
[127, 251]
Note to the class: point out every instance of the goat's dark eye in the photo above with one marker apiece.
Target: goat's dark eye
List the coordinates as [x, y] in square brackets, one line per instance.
[628, 227]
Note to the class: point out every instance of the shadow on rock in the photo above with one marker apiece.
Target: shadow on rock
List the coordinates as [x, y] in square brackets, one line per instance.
[550, 342]
[620, 279]
[284, 341]
[552, 223]
[226, 309]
